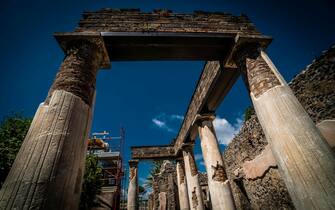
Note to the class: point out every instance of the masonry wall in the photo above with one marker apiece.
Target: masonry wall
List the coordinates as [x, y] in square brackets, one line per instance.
[133, 20]
[165, 189]
[315, 89]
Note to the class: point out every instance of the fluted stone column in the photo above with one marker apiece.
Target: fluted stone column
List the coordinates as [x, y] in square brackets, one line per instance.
[48, 170]
[305, 160]
[182, 186]
[192, 180]
[132, 187]
[218, 183]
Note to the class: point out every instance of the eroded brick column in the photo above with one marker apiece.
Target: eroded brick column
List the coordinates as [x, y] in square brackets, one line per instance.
[48, 170]
[305, 160]
[132, 187]
[192, 179]
[218, 183]
[182, 186]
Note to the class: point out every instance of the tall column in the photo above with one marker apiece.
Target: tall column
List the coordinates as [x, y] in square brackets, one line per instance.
[218, 183]
[192, 180]
[132, 188]
[48, 170]
[305, 160]
[182, 187]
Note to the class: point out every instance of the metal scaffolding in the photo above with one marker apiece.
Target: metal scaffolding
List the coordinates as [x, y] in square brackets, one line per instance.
[109, 150]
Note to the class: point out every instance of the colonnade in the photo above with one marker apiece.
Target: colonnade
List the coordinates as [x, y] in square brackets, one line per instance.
[305, 160]
[48, 170]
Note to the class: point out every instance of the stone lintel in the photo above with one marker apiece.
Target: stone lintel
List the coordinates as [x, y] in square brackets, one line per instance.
[216, 80]
[153, 152]
[133, 162]
[65, 39]
[241, 41]
[213, 85]
[206, 83]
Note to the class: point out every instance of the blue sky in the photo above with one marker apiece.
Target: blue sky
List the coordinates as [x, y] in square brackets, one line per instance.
[147, 97]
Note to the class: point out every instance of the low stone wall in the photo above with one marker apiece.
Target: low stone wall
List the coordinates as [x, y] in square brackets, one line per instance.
[264, 187]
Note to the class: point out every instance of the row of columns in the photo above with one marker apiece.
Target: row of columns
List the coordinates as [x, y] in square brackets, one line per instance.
[305, 160]
[48, 170]
[218, 183]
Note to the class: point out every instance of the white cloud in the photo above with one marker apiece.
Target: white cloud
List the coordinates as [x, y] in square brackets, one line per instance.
[197, 157]
[167, 122]
[226, 131]
[177, 117]
[161, 124]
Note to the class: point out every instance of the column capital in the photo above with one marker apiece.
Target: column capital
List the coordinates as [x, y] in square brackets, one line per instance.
[133, 162]
[180, 160]
[188, 146]
[67, 40]
[200, 118]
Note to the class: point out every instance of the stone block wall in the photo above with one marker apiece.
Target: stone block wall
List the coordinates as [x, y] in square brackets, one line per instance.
[133, 20]
[165, 189]
[315, 89]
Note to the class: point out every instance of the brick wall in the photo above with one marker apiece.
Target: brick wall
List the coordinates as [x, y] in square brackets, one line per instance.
[133, 20]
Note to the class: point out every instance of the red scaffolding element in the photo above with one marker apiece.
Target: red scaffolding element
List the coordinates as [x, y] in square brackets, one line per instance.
[109, 150]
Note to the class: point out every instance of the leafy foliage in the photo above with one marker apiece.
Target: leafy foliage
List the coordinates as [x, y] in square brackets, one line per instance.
[141, 190]
[248, 112]
[13, 130]
[155, 169]
[92, 182]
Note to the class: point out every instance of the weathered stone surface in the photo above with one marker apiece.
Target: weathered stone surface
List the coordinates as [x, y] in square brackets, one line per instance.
[162, 200]
[315, 90]
[132, 187]
[106, 200]
[203, 181]
[133, 20]
[48, 169]
[51, 159]
[260, 77]
[314, 87]
[78, 71]
[220, 192]
[165, 184]
[182, 187]
[153, 152]
[327, 129]
[210, 73]
[192, 180]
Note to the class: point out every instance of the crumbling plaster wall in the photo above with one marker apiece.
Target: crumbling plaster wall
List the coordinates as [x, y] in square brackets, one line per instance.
[315, 89]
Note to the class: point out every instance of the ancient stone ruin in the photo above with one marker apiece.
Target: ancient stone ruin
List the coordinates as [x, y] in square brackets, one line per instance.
[297, 167]
[314, 88]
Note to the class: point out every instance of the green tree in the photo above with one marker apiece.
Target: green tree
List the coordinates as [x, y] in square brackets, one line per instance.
[92, 182]
[13, 129]
[248, 112]
[141, 192]
[155, 169]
